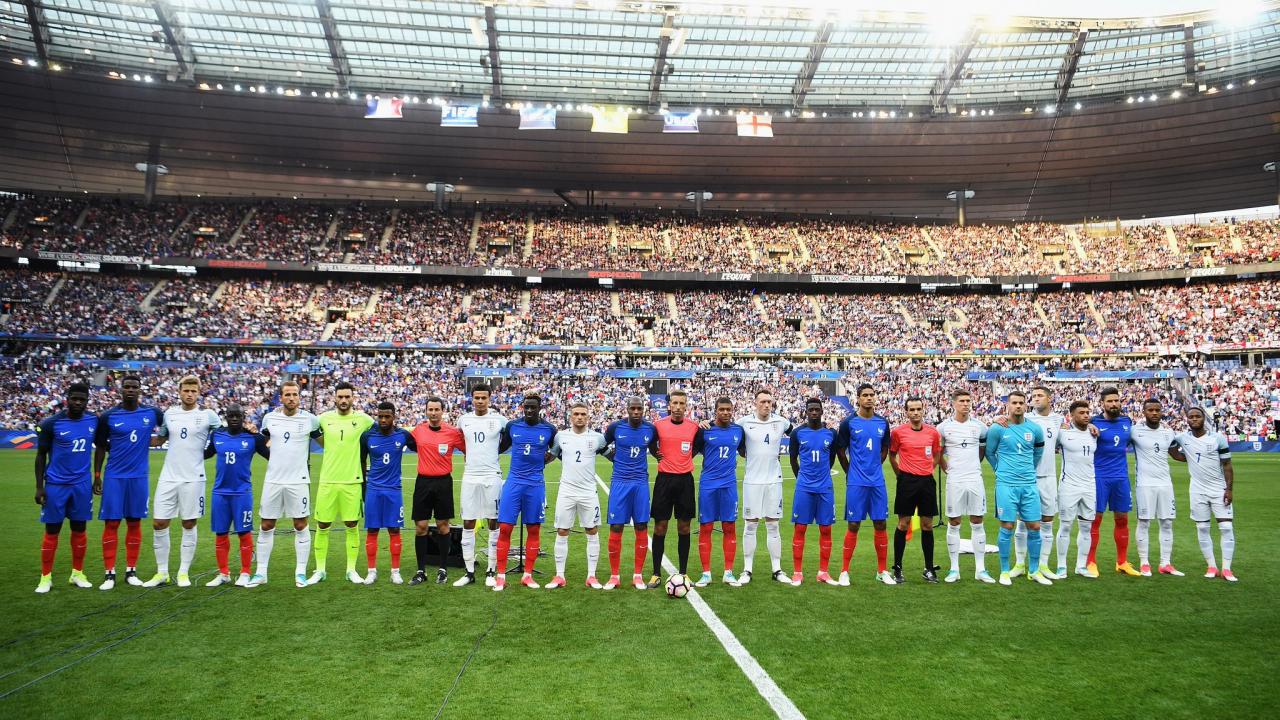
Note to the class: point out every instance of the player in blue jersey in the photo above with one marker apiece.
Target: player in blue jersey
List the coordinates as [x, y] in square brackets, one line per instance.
[64, 490]
[524, 494]
[720, 444]
[1014, 453]
[811, 450]
[234, 447]
[382, 449]
[1111, 473]
[629, 444]
[862, 448]
[126, 432]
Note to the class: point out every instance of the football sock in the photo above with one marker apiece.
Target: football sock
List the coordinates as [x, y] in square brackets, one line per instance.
[562, 553]
[352, 535]
[824, 547]
[593, 553]
[532, 545]
[642, 547]
[1205, 537]
[615, 552]
[395, 544]
[1095, 532]
[1046, 542]
[881, 538]
[422, 548]
[1084, 542]
[132, 543]
[160, 544]
[682, 548]
[246, 552]
[1033, 551]
[1144, 541]
[704, 545]
[926, 546]
[899, 545]
[773, 539]
[1121, 535]
[301, 550]
[1064, 541]
[110, 543]
[493, 548]
[468, 549]
[370, 548]
[446, 547]
[222, 552]
[322, 548]
[504, 546]
[850, 544]
[1166, 541]
[797, 548]
[953, 546]
[729, 542]
[1227, 538]
[1020, 544]
[48, 548]
[187, 551]
[79, 542]
[659, 549]
[1005, 542]
[978, 539]
[266, 540]
[749, 543]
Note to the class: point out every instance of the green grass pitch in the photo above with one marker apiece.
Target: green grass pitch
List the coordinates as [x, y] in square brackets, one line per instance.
[1116, 647]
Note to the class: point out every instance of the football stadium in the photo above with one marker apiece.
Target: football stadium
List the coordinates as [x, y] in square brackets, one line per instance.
[582, 358]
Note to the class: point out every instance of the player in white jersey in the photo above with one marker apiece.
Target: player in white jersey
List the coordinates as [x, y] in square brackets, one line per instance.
[1208, 459]
[762, 484]
[1153, 486]
[1077, 489]
[180, 488]
[286, 487]
[481, 479]
[577, 499]
[1041, 414]
[963, 440]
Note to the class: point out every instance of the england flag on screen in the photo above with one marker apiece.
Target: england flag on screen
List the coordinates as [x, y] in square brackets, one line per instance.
[384, 108]
[751, 125]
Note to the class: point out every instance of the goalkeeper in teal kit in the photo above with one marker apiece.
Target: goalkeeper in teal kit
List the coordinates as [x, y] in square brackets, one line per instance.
[1014, 453]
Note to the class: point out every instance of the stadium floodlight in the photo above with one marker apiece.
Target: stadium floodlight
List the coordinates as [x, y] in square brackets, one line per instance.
[1239, 13]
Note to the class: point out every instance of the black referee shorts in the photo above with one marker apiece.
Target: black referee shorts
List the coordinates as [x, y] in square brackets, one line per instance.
[433, 496]
[673, 492]
[917, 495]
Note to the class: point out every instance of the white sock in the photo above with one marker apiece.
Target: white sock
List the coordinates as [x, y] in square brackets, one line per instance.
[1064, 541]
[953, 546]
[160, 543]
[301, 550]
[1046, 542]
[593, 553]
[978, 538]
[266, 541]
[1020, 544]
[1166, 542]
[493, 549]
[1144, 542]
[773, 538]
[469, 549]
[1084, 540]
[749, 544]
[187, 552]
[1227, 538]
[1205, 536]
[562, 553]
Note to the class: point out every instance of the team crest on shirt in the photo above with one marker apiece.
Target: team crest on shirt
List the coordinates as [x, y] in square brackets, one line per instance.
[1026, 436]
[880, 432]
[442, 448]
[684, 448]
[244, 444]
[928, 452]
[542, 438]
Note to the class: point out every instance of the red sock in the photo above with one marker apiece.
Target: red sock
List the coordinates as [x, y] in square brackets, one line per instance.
[504, 546]
[824, 547]
[704, 545]
[132, 543]
[110, 543]
[1121, 534]
[1094, 533]
[371, 548]
[246, 552]
[882, 548]
[79, 542]
[396, 544]
[850, 544]
[642, 548]
[797, 547]
[730, 543]
[222, 551]
[48, 548]
[533, 542]
[615, 552]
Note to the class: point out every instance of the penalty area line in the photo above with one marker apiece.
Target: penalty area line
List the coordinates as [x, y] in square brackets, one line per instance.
[781, 705]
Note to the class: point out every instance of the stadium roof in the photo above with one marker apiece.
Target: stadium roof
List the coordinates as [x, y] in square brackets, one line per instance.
[773, 54]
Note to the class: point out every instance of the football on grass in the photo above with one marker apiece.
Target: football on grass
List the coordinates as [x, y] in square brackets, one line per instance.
[677, 586]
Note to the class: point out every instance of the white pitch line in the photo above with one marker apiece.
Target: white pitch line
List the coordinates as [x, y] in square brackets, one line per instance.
[768, 689]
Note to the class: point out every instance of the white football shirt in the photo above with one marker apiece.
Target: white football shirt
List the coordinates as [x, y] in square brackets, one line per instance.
[1150, 458]
[188, 433]
[290, 446]
[961, 443]
[1204, 461]
[577, 452]
[1052, 425]
[764, 439]
[1078, 449]
[482, 435]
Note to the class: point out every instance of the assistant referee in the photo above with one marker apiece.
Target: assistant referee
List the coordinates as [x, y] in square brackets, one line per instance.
[433, 491]
[915, 449]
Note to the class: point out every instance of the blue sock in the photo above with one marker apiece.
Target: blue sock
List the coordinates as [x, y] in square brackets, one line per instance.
[1005, 543]
[1034, 543]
